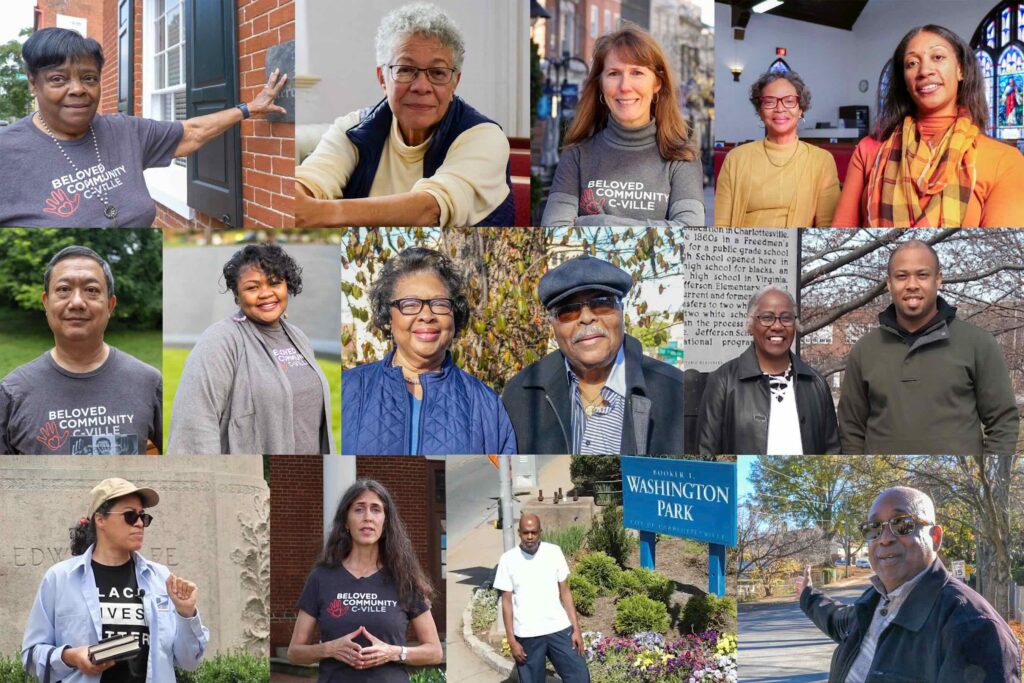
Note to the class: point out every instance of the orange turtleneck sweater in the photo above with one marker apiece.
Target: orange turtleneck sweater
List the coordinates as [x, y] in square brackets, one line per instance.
[995, 203]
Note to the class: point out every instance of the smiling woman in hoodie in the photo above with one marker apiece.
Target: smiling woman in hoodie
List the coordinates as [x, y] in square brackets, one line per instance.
[252, 383]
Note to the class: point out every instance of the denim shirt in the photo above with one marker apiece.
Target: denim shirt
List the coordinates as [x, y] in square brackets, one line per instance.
[66, 613]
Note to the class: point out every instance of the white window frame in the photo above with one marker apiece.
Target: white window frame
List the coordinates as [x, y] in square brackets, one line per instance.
[168, 185]
[607, 21]
[594, 27]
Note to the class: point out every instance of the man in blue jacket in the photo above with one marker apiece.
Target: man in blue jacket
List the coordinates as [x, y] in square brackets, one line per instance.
[598, 394]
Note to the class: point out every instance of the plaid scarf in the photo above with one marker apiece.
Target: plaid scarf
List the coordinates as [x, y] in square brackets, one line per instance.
[908, 168]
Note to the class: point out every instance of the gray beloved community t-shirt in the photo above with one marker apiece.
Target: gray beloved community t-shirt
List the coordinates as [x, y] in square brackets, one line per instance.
[307, 392]
[42, 189]
[113, 410]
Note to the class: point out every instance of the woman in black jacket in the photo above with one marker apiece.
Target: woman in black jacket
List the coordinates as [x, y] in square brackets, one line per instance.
[767, 400]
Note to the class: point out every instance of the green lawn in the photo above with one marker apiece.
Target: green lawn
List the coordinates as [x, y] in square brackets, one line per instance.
[25, 336]
[174, 362]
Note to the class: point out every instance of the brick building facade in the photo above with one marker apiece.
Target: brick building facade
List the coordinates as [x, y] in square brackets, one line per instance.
[267, 148]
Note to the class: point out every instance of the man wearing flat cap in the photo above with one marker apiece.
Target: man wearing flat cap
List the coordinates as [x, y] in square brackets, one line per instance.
[598, 394]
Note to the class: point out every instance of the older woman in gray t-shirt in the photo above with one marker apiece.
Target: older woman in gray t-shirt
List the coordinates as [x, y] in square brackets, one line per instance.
[252, 384]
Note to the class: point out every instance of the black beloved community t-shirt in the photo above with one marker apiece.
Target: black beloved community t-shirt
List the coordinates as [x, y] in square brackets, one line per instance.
[121, 613]
[341, 603]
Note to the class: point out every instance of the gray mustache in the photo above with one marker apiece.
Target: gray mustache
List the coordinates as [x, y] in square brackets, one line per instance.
[589, 331]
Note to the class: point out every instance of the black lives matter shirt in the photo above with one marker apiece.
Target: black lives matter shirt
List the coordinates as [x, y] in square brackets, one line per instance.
[112, 410]
[122, 613]
[341, 603]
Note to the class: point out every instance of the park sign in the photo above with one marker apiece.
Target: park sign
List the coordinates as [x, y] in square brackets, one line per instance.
[689, 498]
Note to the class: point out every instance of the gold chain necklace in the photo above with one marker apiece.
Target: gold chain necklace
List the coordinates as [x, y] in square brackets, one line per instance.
[764, 144]
[590, 407]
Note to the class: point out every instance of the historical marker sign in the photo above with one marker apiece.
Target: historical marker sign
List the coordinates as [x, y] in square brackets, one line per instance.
[724, 267]
[283, 57]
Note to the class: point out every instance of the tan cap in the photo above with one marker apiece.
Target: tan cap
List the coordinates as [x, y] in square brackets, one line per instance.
[117, 487]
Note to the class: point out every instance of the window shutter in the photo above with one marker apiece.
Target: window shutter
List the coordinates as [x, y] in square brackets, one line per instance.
[125, 57]
[211, 66]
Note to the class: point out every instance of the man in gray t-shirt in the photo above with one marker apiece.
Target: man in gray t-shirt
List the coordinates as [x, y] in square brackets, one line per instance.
[83, 396]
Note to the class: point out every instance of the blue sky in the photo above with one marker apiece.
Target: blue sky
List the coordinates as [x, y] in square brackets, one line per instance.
[745, 464]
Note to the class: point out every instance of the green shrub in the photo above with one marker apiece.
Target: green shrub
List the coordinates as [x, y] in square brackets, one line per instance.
[232, 668]
[11, 671]
[709, 612]
[1018, 574]
[584, 594]
[639, 613]
[431, 675]
[600, 570]
[828, 575]
[484, 610]
[569, 539]
[641, 581]
[584, 470]
[609, 536]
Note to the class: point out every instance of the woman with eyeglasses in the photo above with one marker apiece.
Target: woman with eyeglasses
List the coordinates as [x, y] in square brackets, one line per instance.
[252, 383]
[767, 401]
[777, 181]
[627, 158]
[417, 401]
[108, 589]
[420, 156]
[929, 164]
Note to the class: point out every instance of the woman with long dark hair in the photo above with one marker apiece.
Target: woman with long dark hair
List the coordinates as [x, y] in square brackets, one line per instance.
[363, 594]
[928, 164]
[627, 158]
[133, 595]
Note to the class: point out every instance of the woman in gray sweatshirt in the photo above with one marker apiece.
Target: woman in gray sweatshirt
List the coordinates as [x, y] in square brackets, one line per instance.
[627, 159]
[252, 384]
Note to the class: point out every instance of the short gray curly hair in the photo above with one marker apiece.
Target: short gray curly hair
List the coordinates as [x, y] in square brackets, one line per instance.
[755, 299]
[420, 19]
[802, 91]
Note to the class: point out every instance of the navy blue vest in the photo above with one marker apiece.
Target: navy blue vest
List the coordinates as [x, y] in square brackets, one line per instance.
[373, 129]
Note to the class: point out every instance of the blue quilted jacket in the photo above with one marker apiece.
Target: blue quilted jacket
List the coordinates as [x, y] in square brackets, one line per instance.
[460, 414]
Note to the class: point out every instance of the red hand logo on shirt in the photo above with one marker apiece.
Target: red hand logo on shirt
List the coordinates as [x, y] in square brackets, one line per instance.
[50, 437]
[59, 203]
[591, 205]
[336, 609]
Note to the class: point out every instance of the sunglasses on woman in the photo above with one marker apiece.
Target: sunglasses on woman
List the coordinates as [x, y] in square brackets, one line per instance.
[131, 516]
[903, 525]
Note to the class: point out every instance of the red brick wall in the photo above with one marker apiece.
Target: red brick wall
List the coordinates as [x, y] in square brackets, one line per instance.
[405, 478]
[296, 533]
[90, 10]
[268, 149]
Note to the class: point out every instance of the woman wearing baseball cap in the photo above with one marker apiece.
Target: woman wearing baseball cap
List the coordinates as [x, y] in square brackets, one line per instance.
[108, 589]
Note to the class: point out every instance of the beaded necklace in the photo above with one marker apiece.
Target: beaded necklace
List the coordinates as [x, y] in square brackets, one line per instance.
[109, 210]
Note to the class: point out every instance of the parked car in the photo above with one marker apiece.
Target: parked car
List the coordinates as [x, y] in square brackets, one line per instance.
[841, 562]
[862, 563]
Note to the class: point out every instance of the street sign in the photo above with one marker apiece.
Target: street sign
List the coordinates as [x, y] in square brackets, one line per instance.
[570, 95]
[688, 498]
[959, 568]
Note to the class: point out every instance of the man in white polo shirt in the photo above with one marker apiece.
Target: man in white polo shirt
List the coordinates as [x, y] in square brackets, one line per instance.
[537, 608]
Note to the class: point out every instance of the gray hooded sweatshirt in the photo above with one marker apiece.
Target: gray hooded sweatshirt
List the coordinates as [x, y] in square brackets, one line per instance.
[234, 398]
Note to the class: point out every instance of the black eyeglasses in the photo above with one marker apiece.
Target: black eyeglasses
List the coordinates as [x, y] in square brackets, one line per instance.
[599, 305]
[903, 525]
[789, 101]
[768, 319]
[131, 516]
[404, 73]
[412, 306]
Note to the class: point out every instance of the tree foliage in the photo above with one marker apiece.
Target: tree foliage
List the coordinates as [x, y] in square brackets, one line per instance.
[508, 327]
[135, 258]
[15, 99]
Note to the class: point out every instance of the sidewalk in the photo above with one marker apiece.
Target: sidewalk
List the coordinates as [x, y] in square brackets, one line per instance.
[471, 563]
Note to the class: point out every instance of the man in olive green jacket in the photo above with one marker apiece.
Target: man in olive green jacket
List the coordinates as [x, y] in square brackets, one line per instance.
[925, 382]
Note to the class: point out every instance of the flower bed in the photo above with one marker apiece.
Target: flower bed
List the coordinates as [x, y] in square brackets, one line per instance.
[708, 657]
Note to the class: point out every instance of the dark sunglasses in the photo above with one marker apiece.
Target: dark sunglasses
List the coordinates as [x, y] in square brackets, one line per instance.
[131, 516]
[904, 525]
[599, 305]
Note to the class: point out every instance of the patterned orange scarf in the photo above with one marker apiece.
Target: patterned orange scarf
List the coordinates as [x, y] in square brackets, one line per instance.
[908, 168]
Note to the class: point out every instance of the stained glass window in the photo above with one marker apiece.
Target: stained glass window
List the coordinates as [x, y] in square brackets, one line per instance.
[883, 83]
[779, 66]
[1002, 68]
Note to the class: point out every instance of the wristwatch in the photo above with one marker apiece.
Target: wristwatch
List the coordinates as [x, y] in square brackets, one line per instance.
[244, 108]
[404, 654]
